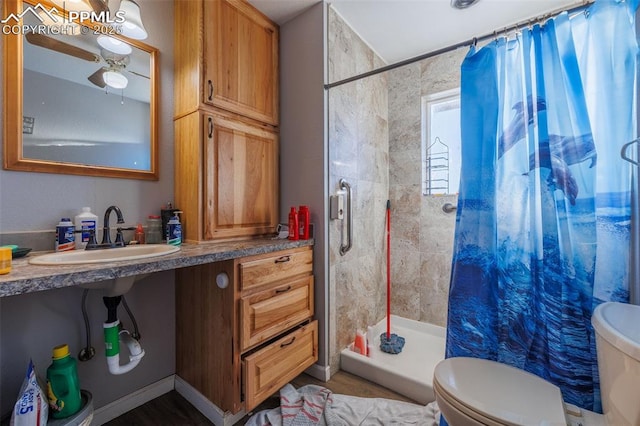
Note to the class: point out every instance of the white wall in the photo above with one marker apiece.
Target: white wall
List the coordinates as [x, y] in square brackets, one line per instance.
[30, 325]
[303, 162]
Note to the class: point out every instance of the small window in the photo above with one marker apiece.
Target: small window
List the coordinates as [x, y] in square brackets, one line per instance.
[441, 143]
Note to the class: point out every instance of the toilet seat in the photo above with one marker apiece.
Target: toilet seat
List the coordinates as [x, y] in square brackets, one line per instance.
[491, 393]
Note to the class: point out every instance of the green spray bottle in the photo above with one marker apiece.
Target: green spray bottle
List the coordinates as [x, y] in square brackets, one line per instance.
[63, 386]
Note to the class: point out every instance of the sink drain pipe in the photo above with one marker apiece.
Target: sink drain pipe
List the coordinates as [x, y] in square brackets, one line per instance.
[114, 335]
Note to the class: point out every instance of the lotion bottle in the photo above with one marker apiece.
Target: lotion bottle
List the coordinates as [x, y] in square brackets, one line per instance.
[293, 224]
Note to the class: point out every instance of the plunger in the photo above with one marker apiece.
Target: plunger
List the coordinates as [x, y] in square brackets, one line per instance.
[390, 343]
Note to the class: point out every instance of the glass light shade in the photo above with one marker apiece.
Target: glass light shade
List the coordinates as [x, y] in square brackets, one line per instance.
[132, 27]
[115, 79]
[114, 45]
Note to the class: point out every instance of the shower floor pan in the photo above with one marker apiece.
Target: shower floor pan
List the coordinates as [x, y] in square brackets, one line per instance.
[409, 373]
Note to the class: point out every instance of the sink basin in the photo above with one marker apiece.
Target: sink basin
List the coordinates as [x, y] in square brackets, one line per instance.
[80, 257]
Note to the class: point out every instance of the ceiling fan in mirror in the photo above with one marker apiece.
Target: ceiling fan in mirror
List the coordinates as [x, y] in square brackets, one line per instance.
[114, 53]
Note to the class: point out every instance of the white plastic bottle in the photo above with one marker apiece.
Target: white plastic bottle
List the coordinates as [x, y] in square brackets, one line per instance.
[86, 222]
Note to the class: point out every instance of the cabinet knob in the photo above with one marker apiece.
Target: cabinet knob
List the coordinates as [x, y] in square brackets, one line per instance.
[222, 280]
[283, 290]
[283, 259]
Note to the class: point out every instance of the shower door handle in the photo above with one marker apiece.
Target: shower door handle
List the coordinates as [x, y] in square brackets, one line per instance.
[623, 151]
[344, 248]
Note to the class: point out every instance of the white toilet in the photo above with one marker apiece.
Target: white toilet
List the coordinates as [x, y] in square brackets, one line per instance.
[472, 391]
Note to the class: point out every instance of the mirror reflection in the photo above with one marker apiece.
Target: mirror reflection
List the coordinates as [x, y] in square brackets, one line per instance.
[86, 100]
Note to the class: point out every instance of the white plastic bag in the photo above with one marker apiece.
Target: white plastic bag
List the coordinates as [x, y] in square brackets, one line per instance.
[32, 407]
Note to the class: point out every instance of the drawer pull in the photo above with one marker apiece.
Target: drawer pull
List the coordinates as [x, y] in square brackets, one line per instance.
[284, 345]
[283, 290]
[283, 259]
[210, 84]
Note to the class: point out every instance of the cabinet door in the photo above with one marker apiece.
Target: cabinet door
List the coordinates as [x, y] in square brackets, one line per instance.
[240, 60]
[241, 179]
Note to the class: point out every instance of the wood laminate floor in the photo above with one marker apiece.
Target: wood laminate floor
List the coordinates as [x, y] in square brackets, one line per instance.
[172, 409]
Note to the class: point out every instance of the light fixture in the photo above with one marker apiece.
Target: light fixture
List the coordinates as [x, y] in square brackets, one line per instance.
[132, 26]
[115, 79]
[114, 45]
[462, 4]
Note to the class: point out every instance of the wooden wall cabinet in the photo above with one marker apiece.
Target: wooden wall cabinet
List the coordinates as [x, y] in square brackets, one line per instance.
[239, 345]
[228, 177]
[226, 118]
[226, 55]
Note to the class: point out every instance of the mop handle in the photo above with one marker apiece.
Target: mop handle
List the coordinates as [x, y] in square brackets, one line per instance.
[388, 269]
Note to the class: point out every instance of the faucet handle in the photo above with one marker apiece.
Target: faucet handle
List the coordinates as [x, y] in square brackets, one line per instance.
[92, 243]
[120, 236]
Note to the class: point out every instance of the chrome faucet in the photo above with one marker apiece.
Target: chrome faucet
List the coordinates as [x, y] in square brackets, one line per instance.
[106, 232]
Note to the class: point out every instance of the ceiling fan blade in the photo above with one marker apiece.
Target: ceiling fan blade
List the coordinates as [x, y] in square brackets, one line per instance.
[60, 46]
[99, 5]
[97, 77]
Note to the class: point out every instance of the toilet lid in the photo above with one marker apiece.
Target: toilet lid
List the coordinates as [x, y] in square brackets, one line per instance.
[500, 392]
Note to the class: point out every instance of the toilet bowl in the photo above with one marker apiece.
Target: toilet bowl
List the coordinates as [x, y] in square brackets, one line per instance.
[472, 391]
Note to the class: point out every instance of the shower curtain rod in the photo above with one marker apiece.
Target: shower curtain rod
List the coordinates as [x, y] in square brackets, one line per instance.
[506, 30]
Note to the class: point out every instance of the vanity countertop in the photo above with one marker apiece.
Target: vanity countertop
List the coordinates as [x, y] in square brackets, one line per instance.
[27, 278]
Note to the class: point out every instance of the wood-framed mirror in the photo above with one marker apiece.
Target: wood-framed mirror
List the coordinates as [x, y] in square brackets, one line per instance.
[72, 106]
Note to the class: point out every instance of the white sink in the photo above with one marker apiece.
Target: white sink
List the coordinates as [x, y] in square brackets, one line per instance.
[79, 257]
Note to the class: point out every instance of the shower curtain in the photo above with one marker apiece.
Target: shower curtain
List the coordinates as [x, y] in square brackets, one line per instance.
[543, 221]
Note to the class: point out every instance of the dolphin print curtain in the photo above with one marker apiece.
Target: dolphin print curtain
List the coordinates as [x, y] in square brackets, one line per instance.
[543, 221]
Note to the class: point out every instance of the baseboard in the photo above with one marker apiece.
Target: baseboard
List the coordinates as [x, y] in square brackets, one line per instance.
[120, 406]
[206, 407]
[320, 372]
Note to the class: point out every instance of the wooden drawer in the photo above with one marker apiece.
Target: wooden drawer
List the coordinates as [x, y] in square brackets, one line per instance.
[274, 267]
[267, 313]
[270, 368]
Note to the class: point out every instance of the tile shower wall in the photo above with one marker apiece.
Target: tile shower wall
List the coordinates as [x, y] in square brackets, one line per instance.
[358, 152]
[422, 234]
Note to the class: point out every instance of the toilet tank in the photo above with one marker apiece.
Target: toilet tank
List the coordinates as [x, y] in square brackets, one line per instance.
[617, 329]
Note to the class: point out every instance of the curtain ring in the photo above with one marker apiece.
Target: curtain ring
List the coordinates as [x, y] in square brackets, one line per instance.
[474, 43]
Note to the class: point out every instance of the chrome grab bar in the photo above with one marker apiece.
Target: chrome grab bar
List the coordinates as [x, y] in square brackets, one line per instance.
[344, 248]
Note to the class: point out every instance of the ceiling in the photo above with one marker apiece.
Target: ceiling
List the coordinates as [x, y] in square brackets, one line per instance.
[401, 29]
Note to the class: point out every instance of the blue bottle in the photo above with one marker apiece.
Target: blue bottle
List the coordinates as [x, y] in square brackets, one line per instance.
[174, 230]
